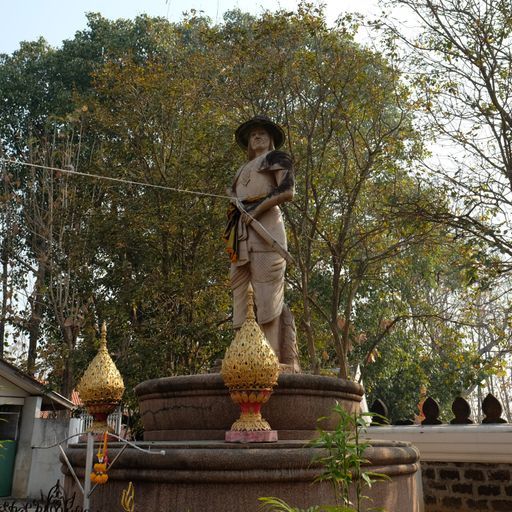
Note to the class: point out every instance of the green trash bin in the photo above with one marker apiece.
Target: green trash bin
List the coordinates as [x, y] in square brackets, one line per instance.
[7, 453]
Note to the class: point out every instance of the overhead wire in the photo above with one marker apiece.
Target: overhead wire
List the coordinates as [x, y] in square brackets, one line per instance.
[236, 200]
[118, 180]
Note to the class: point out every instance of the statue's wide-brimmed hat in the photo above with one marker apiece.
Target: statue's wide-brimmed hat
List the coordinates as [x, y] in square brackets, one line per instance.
[243, 131]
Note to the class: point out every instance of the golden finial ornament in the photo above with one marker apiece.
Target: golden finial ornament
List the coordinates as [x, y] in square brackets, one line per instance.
[101, 386]
[250, 370]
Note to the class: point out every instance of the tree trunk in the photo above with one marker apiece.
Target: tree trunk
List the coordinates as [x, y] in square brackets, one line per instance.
[36, 315]
[5, 289]
[69, 334]
[306, 323]
[338, 342]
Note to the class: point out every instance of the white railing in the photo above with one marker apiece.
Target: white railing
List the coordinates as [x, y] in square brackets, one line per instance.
[114, 421]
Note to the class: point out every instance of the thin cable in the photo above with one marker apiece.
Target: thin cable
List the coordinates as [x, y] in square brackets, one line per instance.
[241, 209]
[121, 439]
[238, 202]
[118, 180]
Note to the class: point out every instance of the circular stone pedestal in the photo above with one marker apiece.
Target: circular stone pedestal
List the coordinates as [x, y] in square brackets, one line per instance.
[198, 407]
[188, 418]
[215, 476]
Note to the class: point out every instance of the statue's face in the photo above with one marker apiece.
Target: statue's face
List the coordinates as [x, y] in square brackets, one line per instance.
[259, 139]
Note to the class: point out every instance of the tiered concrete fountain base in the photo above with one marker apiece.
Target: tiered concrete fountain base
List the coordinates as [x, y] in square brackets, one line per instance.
[198, 407]
[187, 417]
[213, 476]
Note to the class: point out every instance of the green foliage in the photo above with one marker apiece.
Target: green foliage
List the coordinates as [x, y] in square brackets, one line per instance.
[342, 461]
[277, 505]
[154, 102]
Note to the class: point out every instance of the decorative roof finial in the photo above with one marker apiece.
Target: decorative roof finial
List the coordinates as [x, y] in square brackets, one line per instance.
[101, 386]
[250, 304]
[103, 339]
[250, 370]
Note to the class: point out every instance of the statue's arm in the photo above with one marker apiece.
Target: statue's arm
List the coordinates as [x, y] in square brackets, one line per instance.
[279, 163]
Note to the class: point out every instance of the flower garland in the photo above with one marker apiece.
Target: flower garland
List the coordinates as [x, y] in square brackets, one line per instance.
[99, 475]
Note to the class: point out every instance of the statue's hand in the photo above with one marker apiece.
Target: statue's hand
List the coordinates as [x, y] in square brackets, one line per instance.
[246, 219]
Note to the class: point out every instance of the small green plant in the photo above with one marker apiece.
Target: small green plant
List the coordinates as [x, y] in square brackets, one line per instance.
[277, 505]
[342, 459]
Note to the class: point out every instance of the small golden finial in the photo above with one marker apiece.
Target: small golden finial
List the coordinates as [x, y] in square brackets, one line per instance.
[250, 304]
[250, 370]
[101, 386]
[103, 339]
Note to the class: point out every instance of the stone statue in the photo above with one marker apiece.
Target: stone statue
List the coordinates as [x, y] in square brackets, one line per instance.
[256, 238]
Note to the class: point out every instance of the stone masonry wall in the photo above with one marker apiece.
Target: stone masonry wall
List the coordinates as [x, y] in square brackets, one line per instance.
[467, 487]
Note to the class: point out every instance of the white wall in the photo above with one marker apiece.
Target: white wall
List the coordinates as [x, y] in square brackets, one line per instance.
[453, 443]
[23, 462]
[46, 466]
[9, 392]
